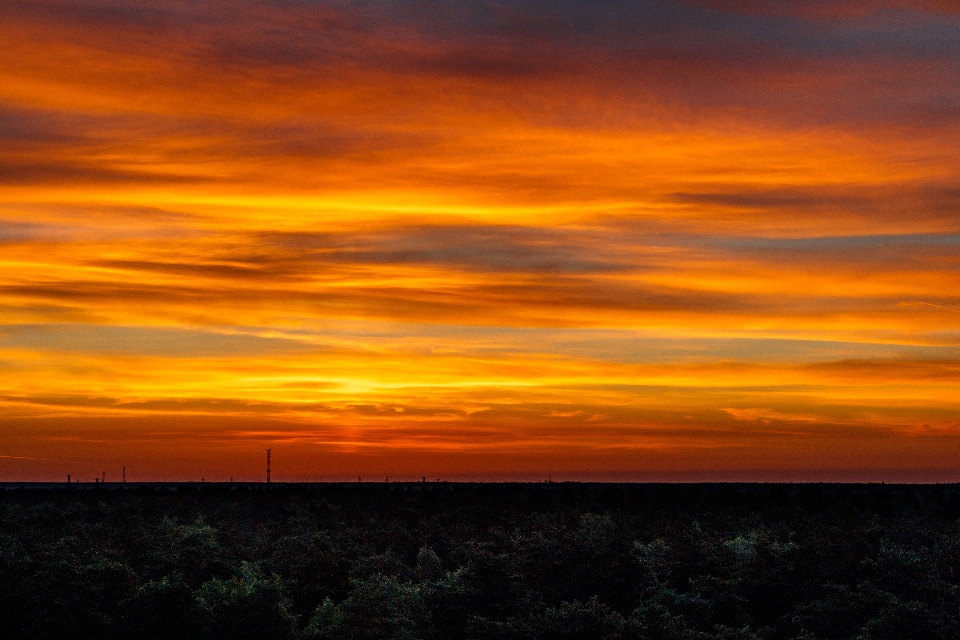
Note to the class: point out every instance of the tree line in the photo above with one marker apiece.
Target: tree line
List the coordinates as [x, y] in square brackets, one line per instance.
[542, 562]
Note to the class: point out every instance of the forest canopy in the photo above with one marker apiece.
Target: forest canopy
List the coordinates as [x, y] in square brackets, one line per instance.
[432, 561]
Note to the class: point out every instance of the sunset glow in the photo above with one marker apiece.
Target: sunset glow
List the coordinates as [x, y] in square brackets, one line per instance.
[702, 239]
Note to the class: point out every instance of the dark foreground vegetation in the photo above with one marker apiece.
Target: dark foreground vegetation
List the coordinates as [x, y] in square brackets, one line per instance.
[441, 561]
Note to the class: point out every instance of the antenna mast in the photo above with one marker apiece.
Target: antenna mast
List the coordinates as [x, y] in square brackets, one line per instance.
[268, 466]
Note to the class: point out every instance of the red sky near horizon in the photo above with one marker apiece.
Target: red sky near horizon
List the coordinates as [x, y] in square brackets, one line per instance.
[682, 240]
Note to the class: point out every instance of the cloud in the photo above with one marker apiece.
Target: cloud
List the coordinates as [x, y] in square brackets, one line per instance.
[767, 416]
[824, 9]
[144, 341]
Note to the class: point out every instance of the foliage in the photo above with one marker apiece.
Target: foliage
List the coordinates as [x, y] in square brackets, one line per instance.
[544, 562]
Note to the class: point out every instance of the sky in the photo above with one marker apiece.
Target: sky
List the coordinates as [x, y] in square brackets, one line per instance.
[650, 241]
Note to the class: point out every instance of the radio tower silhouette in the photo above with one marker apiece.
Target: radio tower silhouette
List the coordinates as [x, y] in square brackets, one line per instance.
[268, 466]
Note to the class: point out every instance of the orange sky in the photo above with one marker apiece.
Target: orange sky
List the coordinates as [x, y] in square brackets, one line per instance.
[712, 239]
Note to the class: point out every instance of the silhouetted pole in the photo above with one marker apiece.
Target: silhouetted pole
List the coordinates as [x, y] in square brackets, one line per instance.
[103, 477]
[68, 478]
[124, 475]
[268, 466]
